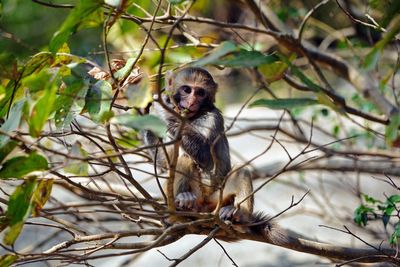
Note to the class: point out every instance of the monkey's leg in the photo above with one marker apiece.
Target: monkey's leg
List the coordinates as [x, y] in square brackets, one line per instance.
[237, 198]
[186, 185]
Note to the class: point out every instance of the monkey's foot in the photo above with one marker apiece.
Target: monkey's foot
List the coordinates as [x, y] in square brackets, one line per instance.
[185, 201]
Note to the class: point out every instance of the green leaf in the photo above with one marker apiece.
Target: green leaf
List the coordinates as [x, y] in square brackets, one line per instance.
[2, 92]
[12, 123]
[93, 100]
[394, 199]
[65, 101]
[388, 209]
[39, 81]
[299, 74]
[75, 166]
[361, 215]
[230, 55]
[176, 2]
[13, 89]
[128, 139]
[396, 234]
[19, 207]
[370, 199]
[274, 71]
[391, 131]
[7, 149]
[125, 70]
[146, 122]
[98, 101]
[8, 259]
[19, 166]
[36, 63]
[245, 58]
[79, 16]
[42, 110]
[283, 103]
[223, 49]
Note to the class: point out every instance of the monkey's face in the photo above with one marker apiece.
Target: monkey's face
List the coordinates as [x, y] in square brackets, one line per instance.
[191, 99]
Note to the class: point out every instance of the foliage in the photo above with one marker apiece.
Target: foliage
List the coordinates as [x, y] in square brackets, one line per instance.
[77, 79]
[385, 211]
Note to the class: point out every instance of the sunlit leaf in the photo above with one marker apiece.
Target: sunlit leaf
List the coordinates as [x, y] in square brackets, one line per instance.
[126, 70]
[230, 55]
[20, 166]
[13, 89]
[324, 99]
[223, 49]
[18, 210]
[42, 110]
[274, 71]
[36, 63]
[41, 195]
[244, 58]
[8, 259]
[2, 92]
[78, 16]
[147, 122]
[283, 103]
[176, 2]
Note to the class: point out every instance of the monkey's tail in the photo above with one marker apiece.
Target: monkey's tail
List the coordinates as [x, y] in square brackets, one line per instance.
[263, 225]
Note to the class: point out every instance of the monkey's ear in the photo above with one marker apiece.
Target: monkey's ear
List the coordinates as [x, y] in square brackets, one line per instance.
[169, 80]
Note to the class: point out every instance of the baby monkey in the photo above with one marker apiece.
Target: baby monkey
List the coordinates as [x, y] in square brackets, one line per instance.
[204, 159]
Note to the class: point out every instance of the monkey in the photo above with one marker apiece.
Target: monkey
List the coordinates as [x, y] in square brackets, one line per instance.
[204, 167]
[205, 162]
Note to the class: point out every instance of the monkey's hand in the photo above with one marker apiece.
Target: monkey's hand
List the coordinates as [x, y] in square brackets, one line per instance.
[185, 201]
[235, 216]
[230, 213]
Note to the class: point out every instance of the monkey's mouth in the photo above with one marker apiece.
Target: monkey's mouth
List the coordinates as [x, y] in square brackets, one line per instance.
[186, 111]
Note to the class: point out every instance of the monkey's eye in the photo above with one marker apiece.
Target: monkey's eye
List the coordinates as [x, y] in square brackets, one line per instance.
[201, 92]
[186, 89]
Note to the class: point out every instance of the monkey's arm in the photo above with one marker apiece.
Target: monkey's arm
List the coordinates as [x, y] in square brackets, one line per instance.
[204, 141]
